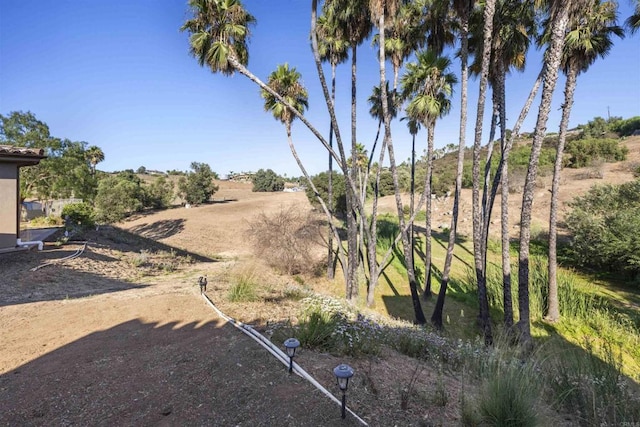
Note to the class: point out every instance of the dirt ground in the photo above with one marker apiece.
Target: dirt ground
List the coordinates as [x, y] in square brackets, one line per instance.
[119, 335]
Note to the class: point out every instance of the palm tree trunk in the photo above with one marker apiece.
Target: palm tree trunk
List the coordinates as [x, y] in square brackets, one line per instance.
[331, 272]
[552, 62]
[477, 209]
[502, 179]
[436, 317]
[352, 226]
[427, 232]
[413, 193]
[553, 311]
[413, 285]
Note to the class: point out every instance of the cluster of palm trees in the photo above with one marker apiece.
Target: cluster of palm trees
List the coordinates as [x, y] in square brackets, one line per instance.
[492, 38]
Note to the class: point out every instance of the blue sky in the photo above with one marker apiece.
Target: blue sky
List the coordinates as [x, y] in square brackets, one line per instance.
[118, 75]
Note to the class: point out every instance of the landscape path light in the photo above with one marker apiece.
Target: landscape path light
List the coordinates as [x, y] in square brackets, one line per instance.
[343, 373]
[291, 345]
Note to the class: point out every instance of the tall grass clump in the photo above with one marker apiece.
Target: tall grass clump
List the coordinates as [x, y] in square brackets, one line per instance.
[509, 398]
[243, 288]
[593, 389]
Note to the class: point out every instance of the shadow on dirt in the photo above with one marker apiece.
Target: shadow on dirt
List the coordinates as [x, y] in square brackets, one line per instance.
[140, 373]
[33, 276]
[160, 229]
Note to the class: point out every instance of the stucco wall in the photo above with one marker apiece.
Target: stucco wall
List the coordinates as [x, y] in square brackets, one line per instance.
[8, 201]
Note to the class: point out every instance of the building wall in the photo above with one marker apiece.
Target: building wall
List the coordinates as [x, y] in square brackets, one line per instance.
[8, 205]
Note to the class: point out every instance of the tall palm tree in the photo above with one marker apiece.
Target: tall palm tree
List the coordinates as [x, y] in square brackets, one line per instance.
[589, 37]
[428, 85]
[559, 18]
[440, 23]
[514, 24]
[353, 20]
[333, 48]
[94, 155]
[380, 9]
[219, 33]
[489, 10]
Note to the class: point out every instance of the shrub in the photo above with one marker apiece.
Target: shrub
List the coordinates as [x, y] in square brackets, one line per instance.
[626, 127]
[321, 182]
[118, 197]
[605, 225]
[286, 240]
[160, 193]
[79, 213]
[584, 152]
[267, 181]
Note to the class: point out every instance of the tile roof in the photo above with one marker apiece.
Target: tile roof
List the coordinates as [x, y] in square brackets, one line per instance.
[21, 151]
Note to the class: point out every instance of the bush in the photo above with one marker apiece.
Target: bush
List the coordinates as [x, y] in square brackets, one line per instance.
[160, 193]
[321, 182]
[80, 214]
[605, 225]
[585, 152]
[626, 127]
[118, 196]
[267, 181]
[286, 240]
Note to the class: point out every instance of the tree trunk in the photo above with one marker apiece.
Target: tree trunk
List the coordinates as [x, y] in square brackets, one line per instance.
[352, 226]
[411, 201]
[330, 253]
[502, 179]
[415, 297]
[485, 322]
[552, 62]
[436, 317]
[427, 231]
[553, 311]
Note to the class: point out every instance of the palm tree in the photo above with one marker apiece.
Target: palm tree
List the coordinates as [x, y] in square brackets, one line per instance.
[94, 155]
[375, 102]
[514, 23]
[489, 11]
[379, 9]
[219, 34]
[427, 85]
[353, 20]
[559, 18]
[633, 22]
[332, 48]
[286, 82]
[588, 38]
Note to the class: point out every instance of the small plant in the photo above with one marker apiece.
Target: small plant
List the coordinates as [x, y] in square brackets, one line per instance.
[407, 391]
[440, 396]
[141, 259]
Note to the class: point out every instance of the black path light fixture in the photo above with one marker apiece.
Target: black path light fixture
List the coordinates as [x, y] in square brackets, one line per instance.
[291, 345]
[343, 373]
